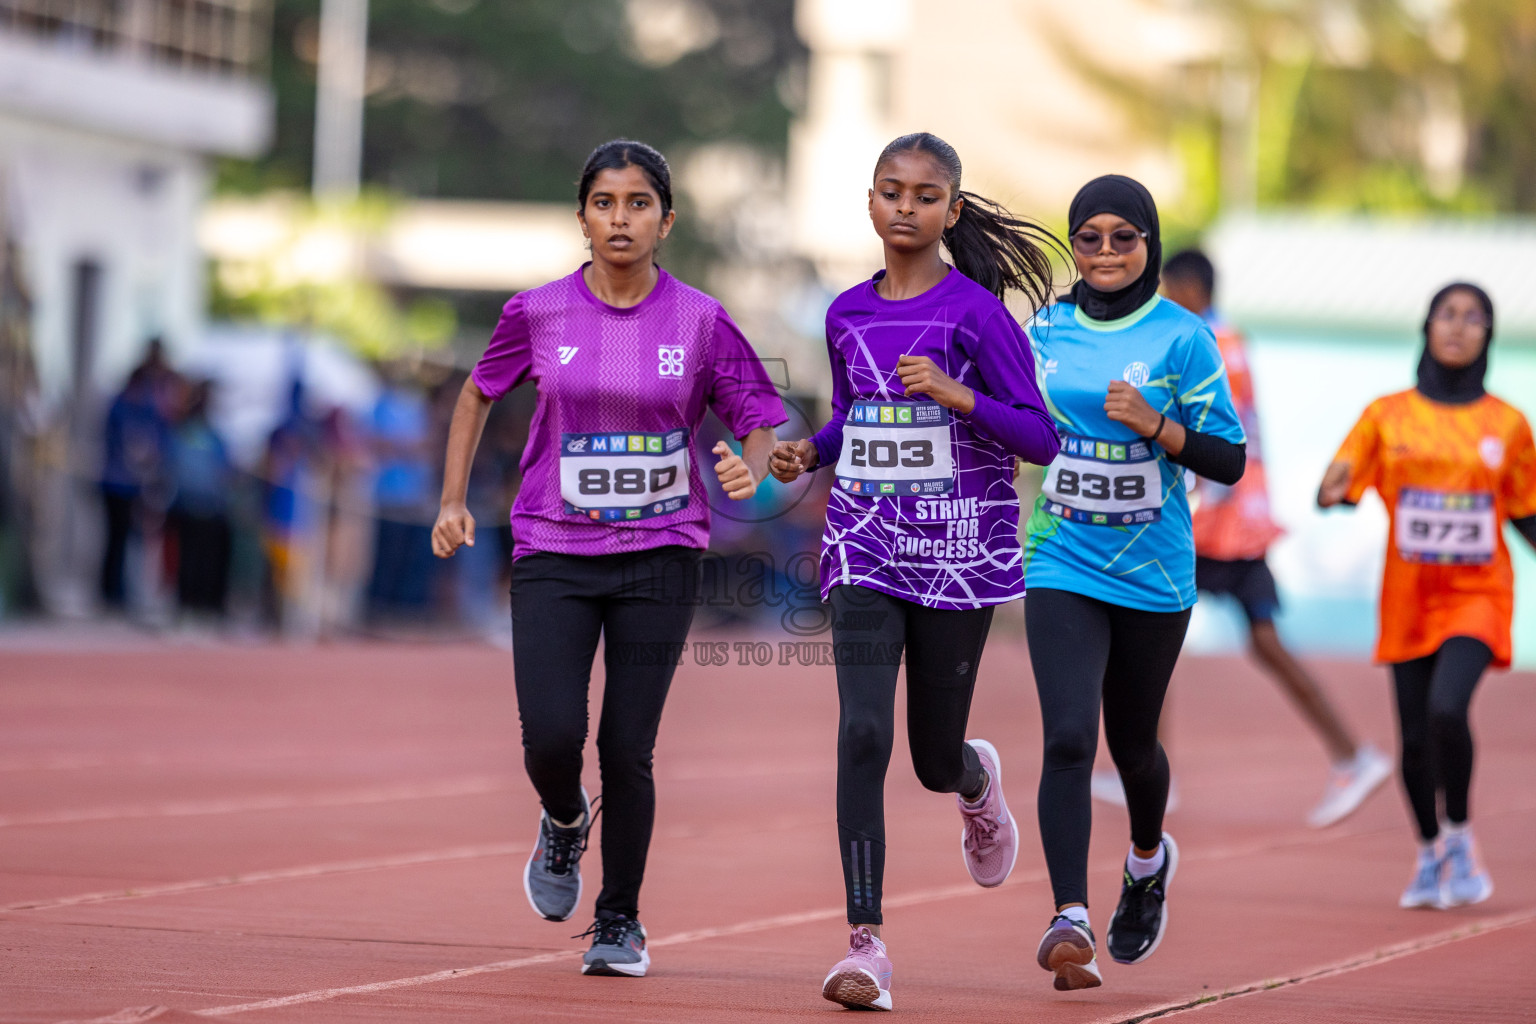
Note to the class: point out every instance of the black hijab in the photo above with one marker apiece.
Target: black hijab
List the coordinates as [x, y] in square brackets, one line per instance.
[1127, 198]
[1455, 385]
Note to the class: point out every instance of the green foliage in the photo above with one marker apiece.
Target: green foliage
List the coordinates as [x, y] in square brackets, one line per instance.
[1355, 105]
[283, 286]
[487, 99]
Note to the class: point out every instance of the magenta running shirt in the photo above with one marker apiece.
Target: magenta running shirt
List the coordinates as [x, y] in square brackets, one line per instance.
[923, 506]
[621, 391]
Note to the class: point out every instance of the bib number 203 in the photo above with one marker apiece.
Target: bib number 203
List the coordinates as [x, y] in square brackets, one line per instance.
[883, 454]
[625, 481]
[1099, 486]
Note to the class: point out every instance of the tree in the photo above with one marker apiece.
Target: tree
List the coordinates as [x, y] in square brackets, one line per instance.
[495, 100]
[1352, 104]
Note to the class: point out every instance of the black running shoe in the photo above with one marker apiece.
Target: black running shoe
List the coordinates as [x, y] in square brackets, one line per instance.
[1141, 917]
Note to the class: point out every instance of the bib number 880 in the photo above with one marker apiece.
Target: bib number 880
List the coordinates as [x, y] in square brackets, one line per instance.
[1099, 487]
[914, 454]
[625, 481]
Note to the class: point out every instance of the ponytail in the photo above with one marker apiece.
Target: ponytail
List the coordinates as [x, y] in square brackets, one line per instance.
[991, 246]
[1001, 252]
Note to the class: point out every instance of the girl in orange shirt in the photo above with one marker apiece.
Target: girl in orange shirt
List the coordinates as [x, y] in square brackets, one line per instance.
[1451, 462]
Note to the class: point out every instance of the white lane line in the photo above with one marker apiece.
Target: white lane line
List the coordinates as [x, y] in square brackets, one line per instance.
[275, 875]
[219, 757]
[809, 917]
[1387, 954]
[471, 786]
[676, 939]
[132, 1015]
[703, 934]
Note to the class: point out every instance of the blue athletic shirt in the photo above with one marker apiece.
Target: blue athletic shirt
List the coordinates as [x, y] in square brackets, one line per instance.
[1112, 522]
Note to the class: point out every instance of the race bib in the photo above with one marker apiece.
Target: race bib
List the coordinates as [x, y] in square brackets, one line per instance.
[614, 477]
[896, 448]
[1450, 529]
[1104, 483]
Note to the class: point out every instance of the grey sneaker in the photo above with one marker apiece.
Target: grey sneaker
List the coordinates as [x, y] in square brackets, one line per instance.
[552, 876]
[1424, 890]
[1465, 880]
[618, 948]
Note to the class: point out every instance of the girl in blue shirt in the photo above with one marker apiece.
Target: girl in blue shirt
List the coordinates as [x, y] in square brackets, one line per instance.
[1136, 386]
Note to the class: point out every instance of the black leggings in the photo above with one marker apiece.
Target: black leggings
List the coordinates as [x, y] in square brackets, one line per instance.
[1085, 651]
[943, 650]
[1434, 695]
[642, 604]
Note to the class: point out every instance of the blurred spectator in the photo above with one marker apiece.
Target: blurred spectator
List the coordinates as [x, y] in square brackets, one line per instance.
[348, 518]
[203, 478]
[137, 453]
[288, 515]
[403, 499]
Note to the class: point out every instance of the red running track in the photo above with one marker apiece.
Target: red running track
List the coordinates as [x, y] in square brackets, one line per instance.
[276, 834]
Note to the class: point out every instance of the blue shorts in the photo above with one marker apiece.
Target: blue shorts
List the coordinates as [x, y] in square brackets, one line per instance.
[1247, 579]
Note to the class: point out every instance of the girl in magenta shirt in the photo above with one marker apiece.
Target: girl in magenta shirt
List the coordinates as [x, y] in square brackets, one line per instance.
[610, 521]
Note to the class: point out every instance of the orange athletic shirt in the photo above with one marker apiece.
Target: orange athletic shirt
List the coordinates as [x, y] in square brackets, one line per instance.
[1449, 475]
[1232, 523]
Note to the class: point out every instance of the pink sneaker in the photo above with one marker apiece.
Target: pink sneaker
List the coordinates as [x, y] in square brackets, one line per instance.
[862, 979]
[989, 842]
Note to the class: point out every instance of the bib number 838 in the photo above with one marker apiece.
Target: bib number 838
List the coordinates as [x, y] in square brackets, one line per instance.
[1099, 487]
[625, 481]
[882, 454]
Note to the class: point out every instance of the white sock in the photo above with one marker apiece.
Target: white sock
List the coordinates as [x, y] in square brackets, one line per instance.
[1142, 867]
[1448, 829]
[1078, 914]
[1428, 852]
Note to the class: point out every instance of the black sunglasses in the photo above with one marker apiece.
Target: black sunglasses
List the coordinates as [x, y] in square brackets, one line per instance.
[1122, 240]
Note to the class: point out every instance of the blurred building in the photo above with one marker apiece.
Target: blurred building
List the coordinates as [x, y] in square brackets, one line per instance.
[457, 245]
[109, 115]
[1003, 81]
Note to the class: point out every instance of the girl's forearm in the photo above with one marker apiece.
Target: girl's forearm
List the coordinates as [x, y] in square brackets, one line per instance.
[756, 447]
[469, 416]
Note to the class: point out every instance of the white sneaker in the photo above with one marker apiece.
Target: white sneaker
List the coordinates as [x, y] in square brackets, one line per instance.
[1106, 787]
[1349, 784]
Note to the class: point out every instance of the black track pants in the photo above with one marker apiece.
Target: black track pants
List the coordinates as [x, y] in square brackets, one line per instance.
[1434, 696]
[943, 650]
[642, 605]
[1085, 652]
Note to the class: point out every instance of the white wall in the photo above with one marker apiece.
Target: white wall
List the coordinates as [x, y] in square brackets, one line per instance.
[129, 206]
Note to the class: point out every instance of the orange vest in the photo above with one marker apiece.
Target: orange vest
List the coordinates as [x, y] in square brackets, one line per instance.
[1450, 476]
[1232, 523]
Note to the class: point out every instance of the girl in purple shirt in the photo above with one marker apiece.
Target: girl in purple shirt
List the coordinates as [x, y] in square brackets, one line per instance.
[610, 521]
[933, 398]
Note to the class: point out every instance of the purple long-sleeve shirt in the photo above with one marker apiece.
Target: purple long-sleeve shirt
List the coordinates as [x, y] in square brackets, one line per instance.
[912, 530]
